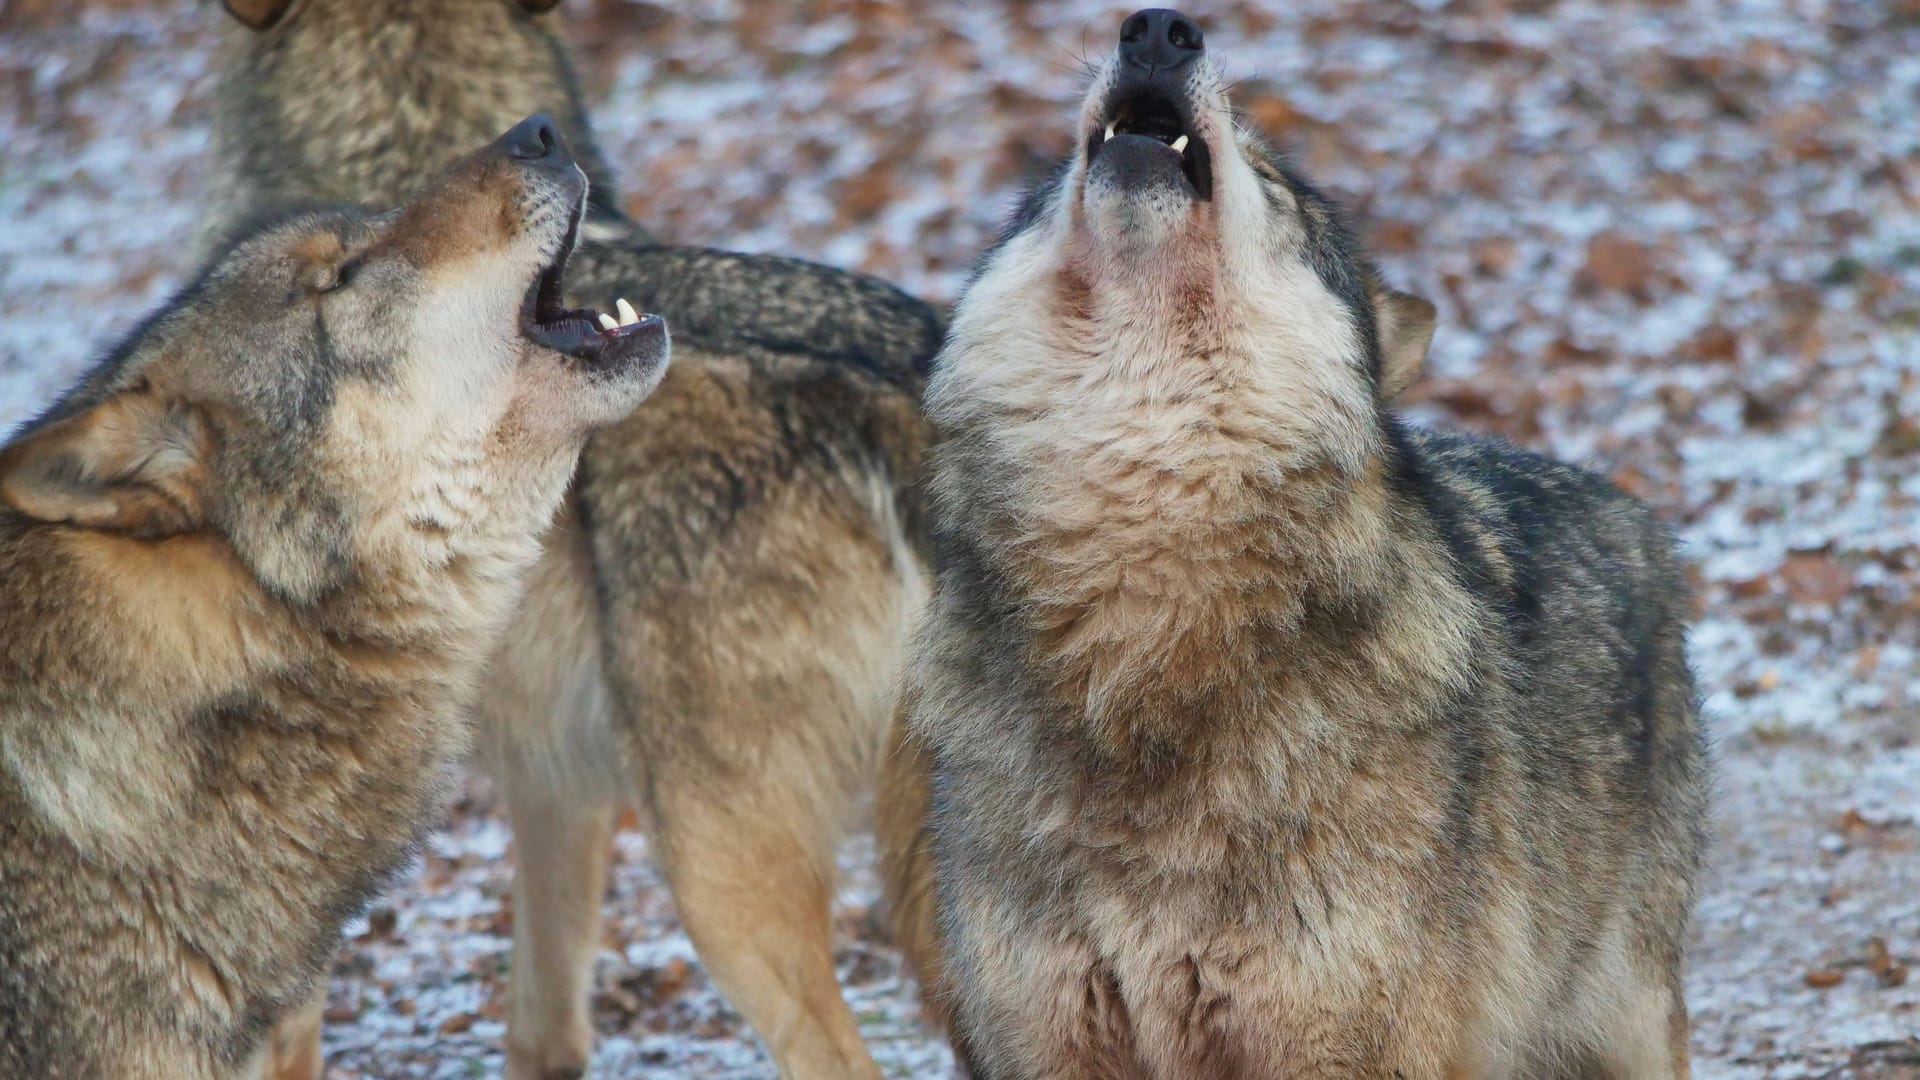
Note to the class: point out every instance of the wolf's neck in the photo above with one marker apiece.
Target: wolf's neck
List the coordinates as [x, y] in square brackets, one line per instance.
[440, 571]
[1171, 502]
[1162, 444]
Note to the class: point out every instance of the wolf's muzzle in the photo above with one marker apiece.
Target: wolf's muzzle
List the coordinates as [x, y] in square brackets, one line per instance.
[1146, 134]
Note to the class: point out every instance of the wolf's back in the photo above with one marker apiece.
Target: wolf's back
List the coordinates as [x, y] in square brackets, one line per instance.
[829, 364]
[724, 300]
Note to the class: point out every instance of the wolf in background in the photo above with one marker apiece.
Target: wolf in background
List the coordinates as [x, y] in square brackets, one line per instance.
[233, 673]
[715, 629]
[1269, 735]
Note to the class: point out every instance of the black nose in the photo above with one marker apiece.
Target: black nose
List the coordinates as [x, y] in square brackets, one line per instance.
[1160, 38]
[537, 139]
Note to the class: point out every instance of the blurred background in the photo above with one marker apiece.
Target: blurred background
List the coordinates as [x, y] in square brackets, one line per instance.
[1676, 240]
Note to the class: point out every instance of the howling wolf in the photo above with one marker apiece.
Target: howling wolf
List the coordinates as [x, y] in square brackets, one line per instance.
[1271, 736]
[716, 627]
[250, 569]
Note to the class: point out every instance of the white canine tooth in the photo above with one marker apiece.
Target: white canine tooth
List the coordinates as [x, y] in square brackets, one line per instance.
[607, 323]
[628, 316]
[1109, 132]
[1180, 144]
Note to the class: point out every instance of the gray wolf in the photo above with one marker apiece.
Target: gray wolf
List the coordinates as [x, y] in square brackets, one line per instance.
[233, 671]
[1269, 735]
[715, 628]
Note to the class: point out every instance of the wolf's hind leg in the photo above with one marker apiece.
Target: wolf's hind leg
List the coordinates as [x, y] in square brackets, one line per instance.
[752, 876]
[753, 630]
[759, 689]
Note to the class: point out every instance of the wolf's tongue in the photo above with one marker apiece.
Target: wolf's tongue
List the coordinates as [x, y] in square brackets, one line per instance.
[1179, 144]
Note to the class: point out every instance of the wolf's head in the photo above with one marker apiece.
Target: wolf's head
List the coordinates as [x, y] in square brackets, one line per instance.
[365, 101]
[1173, 255]
[342, 389]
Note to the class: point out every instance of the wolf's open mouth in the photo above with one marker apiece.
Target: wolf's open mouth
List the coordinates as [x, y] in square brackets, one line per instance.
[587, 335]
[1151, 111]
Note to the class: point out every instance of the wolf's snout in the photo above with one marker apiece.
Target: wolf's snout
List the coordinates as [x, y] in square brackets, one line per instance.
[1148, 130]
[536, 140]
[1160, 39]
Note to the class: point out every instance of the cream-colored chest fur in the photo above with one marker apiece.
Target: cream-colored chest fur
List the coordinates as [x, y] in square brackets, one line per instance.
[1157, 463]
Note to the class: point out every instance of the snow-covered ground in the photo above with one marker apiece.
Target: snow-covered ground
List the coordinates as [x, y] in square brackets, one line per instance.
[1677, 239]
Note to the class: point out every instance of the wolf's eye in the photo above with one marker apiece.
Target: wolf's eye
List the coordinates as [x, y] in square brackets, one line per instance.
[320, 278]
[317, 278]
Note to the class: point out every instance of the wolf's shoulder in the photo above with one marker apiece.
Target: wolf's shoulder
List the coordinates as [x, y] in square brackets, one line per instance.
[1518, 517]
[1497, 477]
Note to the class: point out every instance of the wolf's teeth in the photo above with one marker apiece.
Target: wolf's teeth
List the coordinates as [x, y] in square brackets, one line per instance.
[1109, 132]
[1180, 144]
[607, 323]
[628, 316]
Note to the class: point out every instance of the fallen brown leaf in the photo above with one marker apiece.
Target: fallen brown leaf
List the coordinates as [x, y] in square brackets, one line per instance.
[1717, 343]
[1496, 255]
[1890, 971]
[671, 977]
[1813, 578]
[1825, 978]
[457, 1023]
[1618, 264]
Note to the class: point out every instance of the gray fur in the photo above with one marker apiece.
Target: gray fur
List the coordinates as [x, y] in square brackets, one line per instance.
[1272, 737]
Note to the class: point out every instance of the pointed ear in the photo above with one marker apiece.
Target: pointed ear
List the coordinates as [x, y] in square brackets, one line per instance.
[132, 464]
[539, 7]
[258, 14]
[1405, 325]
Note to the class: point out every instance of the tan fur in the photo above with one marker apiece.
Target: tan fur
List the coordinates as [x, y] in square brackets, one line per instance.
[543, 715]
[739, 811]
[295, 1045]
[1406, 328]
[714, 629]
[906, 866]
[141, 459]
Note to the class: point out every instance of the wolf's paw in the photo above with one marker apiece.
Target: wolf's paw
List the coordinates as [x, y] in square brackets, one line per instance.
[550, 1063]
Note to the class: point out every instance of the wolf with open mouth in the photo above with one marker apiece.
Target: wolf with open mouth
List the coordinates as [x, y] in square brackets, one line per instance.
[1272, 737]
[251, 566]
[714, 631]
